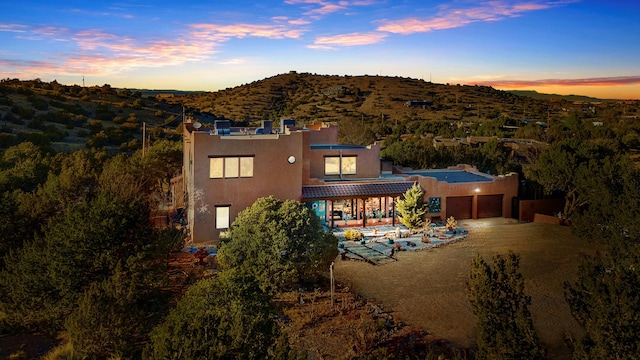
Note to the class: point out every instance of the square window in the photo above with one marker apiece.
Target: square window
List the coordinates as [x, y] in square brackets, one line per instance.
[332, 166]
[348, 165]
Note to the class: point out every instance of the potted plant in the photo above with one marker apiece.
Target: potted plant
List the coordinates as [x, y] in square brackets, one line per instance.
[346, 218]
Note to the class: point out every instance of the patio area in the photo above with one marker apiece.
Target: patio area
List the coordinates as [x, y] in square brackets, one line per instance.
[380, 243]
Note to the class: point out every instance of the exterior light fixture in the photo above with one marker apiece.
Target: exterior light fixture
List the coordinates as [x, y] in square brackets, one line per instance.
[477, 190]
[291, 159]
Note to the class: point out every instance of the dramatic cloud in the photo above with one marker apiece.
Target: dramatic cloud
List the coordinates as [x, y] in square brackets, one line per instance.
[354, 39]
[600, 81]
[449, 18]
[104, 53]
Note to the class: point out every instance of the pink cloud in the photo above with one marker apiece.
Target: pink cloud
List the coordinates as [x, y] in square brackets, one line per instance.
[51, 31]
[353, 39]
[101, 52]
[322, 7]
[600, 81]
[217, 32]
[449, 18]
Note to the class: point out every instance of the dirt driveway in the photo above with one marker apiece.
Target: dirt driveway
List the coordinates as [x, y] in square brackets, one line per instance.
[426, 288]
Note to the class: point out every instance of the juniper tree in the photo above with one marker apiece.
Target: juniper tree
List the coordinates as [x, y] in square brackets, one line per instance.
[412, 207]
[224, 317]
[281, 243]
[496, 292]
[605, 299]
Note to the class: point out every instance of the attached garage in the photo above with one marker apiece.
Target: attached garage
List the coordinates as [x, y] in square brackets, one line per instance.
[489, 206]
[460, 207]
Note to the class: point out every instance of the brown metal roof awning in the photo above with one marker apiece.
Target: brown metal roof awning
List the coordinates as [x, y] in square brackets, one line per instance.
[341, 191]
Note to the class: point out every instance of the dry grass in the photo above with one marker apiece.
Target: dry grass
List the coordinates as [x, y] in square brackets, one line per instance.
[351, 327]
[426, 288]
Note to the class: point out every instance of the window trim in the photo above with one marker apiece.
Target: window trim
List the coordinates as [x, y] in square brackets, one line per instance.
[219, 216]
[341, 167]
[238, 174]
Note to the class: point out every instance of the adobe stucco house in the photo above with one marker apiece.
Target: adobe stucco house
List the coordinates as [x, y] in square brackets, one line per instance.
[226, 169]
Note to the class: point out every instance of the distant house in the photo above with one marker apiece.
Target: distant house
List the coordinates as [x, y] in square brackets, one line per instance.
[418, 104]
[338, 91]
[226, 169]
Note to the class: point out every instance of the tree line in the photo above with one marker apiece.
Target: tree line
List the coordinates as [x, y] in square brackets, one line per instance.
[78, 250]
[601, 185]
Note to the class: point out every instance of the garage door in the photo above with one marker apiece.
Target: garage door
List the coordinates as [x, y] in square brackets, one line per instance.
[489, 206]
[459, 207]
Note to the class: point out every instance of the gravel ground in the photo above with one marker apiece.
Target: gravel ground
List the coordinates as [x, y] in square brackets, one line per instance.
[426, 288]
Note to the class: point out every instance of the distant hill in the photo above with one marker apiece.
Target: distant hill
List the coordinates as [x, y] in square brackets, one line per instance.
[536, 95]
[310, 97]
[68, 118]
[367, 107]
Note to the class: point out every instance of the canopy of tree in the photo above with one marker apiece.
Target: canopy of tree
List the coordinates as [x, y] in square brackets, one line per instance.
[78, 249]
[281, 243]
[496, 292]
[224, 317]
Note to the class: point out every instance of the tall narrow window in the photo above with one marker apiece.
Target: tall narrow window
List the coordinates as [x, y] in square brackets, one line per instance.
[222, 217]
[246, 167]
[231, 167]
[216, 168]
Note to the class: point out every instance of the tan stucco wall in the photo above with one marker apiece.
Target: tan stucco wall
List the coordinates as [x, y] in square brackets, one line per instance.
[273, 175]
[367, 163]
[323, 134]
[506, 185]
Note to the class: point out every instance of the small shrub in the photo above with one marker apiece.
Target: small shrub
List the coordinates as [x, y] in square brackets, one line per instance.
[62, 352]
[95, 126]
[18, 355]
[353, 235]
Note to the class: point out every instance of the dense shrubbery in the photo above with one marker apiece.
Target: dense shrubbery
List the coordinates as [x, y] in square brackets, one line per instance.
[225, 317]
[77, 245]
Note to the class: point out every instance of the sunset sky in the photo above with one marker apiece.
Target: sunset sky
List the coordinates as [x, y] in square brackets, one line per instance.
[563, 47]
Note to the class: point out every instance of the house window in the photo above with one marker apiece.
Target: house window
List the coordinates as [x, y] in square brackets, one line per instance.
[332, 166]
[216, 168]
[336, 165]
[230, 167]
[246, 167]
[222, 217]
[349, 165]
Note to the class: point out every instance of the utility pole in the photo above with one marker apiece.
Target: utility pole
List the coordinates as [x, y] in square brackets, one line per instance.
[333, 286]
[144, 137]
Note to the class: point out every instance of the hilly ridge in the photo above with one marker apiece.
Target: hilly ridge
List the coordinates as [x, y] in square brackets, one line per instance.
[368, 108]
[311, 97]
